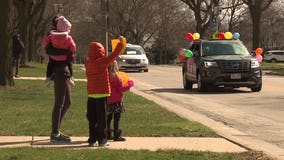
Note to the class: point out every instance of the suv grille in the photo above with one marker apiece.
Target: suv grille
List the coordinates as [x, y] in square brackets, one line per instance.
[132, 61]
[234, 66]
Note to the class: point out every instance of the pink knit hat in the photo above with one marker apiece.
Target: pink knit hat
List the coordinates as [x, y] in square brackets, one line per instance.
[63, 24]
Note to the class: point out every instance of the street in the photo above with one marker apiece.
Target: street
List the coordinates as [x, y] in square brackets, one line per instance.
[257, 116]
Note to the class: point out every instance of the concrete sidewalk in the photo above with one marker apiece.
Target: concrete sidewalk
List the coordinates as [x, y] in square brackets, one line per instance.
[131, 143]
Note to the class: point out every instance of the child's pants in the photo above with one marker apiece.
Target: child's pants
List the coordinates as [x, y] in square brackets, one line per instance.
[96, 115]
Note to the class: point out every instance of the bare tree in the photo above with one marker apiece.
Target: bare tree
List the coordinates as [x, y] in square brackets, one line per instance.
[234, 10]
[256, 8]
[6, 14]
[134, 19]
[172, 24]
[272, 27]
[28, 23]
[203, 13]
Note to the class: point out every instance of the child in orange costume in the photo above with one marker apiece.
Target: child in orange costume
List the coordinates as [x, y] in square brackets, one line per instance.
[98, 88]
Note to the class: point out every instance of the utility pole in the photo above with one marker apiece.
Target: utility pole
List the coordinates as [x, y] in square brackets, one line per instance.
[105, 19]
[107, 24]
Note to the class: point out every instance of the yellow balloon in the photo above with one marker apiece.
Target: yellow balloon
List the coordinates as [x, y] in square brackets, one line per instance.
[124, 77]
[196, 36]
[124, 44]
[114, 42]
[228, 35]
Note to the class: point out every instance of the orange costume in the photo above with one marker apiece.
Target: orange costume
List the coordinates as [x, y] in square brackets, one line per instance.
[98, 87]
[97, 68]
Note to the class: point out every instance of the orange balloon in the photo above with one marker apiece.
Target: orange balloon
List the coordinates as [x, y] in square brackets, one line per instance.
[124, 77]
[258, 51]
[181, 58]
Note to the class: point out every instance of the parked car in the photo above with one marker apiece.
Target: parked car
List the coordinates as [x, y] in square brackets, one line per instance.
[133, 58]
[225, 63]
[274, 56]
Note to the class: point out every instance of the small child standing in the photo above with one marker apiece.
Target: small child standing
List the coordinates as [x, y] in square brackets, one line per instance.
[115, 101]
[98, 88]
[60, 39]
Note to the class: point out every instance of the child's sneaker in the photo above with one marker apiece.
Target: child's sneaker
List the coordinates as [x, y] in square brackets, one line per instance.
[93, 145]
[103, 143]
[71, 81]
[119, 139]
[47, 82]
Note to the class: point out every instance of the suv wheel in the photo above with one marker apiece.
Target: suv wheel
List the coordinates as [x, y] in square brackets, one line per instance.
[186, 83]
[273, 60]
[256, 88]
[202, 87]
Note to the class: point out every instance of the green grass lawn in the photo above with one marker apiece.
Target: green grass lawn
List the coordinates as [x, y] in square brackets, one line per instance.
[106, 154]
[274, 67]
[26, 110]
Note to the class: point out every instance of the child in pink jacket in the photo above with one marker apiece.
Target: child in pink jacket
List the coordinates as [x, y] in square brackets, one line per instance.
[60, 39]
[115, 101]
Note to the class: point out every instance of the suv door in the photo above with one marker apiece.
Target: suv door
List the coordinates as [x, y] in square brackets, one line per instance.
[192, 67]
[281, 56]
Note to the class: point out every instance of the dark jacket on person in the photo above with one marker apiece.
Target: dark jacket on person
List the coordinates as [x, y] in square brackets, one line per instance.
[18, 46]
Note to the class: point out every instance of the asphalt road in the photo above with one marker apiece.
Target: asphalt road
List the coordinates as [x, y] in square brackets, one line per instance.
[258, 117]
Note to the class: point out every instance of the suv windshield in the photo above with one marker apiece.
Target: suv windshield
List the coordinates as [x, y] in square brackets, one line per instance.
[211, 48]
[133, 51]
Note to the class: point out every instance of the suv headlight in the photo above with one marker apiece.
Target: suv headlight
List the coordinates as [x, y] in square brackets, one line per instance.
[144, 60]
[209, 64]
[254, 64]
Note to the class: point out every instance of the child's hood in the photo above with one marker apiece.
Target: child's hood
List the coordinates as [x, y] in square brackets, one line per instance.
[59, 37]
[96, 51]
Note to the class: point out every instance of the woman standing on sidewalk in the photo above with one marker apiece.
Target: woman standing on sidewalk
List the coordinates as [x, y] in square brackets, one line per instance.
[62, 93]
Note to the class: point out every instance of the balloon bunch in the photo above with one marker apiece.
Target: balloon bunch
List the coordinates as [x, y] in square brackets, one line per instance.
[226, 35]
[194, 36]
[258, 55]
[185, 55]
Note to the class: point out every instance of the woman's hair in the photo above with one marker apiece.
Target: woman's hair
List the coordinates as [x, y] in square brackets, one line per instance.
[54, 21]
[114, 67]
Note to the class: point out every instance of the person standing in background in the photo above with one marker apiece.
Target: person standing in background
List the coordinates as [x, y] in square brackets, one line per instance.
[17, 49]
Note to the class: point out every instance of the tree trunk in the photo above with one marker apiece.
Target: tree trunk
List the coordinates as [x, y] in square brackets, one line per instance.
[23, 30]
[256, 31]
[161, 56]
[6, 70]
[256, 8]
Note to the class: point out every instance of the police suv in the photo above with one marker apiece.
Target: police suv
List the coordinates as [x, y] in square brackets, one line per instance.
[221, 63]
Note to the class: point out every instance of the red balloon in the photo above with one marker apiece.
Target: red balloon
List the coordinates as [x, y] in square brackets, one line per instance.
[221, 35]
[181, 58]
[188, 36]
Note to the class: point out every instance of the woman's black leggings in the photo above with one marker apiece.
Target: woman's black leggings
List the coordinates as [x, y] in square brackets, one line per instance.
[62, 97]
